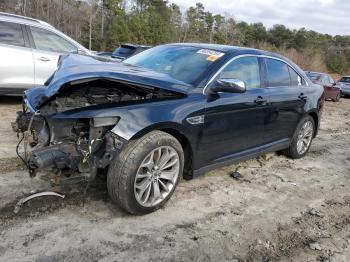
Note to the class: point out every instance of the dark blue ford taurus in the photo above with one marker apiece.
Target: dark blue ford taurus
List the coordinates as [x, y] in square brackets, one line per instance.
[172, 111]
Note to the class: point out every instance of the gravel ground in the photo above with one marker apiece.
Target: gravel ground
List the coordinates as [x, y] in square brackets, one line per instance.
[279, 210]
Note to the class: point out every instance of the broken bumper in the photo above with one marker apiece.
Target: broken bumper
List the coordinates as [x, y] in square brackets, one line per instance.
[80, 145]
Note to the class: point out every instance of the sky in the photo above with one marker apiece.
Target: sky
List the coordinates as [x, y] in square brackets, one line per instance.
[324, 16]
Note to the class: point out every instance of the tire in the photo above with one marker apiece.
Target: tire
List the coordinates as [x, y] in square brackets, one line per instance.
[337, 98]
[132, 169]
[292, 151]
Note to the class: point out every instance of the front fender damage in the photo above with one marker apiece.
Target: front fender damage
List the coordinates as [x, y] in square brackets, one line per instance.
[68, 133]
[70, 145]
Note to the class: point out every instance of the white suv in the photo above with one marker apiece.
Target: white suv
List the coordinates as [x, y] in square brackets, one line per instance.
[29, 51]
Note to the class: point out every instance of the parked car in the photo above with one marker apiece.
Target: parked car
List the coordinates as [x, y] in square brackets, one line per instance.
[29, 51]
[104, 54]
[344, 83]
[331, 89]
[124, 51]
[171, 111]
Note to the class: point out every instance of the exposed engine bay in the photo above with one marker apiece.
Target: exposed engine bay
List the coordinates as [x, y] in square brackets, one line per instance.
[83, 144]
[85, 93]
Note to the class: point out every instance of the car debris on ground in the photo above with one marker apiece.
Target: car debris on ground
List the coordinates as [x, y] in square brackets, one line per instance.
[35, 195]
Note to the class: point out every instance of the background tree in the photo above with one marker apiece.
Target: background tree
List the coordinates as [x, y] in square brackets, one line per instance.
[108, 23]
[175, 23]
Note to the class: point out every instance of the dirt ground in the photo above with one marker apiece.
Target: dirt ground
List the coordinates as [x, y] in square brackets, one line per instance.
[279, 210]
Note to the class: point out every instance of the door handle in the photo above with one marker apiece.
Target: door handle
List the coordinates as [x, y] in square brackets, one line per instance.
[302, 96]
[44, 59]
[260, 100]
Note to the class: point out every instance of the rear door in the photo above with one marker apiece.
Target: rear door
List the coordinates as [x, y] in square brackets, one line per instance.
[47, 47]
[233, 123]
[287, 95]
[16, 64]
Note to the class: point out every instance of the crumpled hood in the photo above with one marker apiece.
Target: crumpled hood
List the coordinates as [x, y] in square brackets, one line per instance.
[77, 67]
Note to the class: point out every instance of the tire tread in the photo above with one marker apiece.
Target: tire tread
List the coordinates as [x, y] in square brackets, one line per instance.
[119, 171]
[291, 151]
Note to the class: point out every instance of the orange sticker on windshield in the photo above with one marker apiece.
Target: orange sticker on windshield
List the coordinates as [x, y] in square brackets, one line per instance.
[212, 54]
[212, 58]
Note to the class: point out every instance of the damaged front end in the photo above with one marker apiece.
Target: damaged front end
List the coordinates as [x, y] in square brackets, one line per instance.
[72, 131]
[66, 145]
[87, 112]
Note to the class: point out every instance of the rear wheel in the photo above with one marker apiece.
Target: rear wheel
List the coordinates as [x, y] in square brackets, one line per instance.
[302, 138]
[337, 98]
[144, 176]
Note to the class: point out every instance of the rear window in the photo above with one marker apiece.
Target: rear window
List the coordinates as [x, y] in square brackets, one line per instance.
[11, 34]
[328, 80]
[345, 79]
[277, 73]
[313, 76]
[124, 51]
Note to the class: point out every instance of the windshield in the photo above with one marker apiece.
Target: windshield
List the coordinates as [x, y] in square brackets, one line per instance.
[313, 76]
[345, 79]
[184, 63]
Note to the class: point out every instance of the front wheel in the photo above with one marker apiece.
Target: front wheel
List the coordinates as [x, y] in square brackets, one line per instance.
[302, 138]
[144, 176]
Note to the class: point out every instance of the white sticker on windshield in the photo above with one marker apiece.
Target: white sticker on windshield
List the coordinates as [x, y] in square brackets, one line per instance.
[212, 55]
[210, 52]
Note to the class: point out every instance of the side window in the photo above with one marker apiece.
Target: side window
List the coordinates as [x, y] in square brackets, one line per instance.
[245, 69]
[48, 41]
[326, 80]
[322, 80]
[277, 73]
[295, 79]
[331, 80]
[11, 34]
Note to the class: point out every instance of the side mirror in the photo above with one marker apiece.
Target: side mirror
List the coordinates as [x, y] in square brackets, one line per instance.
[228, 85]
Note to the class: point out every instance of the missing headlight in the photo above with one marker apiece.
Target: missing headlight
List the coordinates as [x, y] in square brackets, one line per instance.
[104, 121]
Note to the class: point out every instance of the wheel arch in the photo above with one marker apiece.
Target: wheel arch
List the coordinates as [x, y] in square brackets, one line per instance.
[315, 117]
[177, 131]
[187, 149]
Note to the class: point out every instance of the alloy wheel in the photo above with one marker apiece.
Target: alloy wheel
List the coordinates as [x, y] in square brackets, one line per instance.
[305, 137]
[156, 176]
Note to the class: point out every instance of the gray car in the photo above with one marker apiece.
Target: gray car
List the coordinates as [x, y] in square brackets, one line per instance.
[29, 51]
[344, 83]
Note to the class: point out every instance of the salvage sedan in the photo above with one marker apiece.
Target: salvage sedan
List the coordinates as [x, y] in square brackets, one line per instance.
[172, 111]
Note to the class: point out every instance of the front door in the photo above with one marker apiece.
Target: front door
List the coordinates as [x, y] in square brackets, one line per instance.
[233, 123]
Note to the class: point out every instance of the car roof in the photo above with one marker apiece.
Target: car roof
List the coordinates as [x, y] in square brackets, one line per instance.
[22, 19]
[222, 48]
[233, 49]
